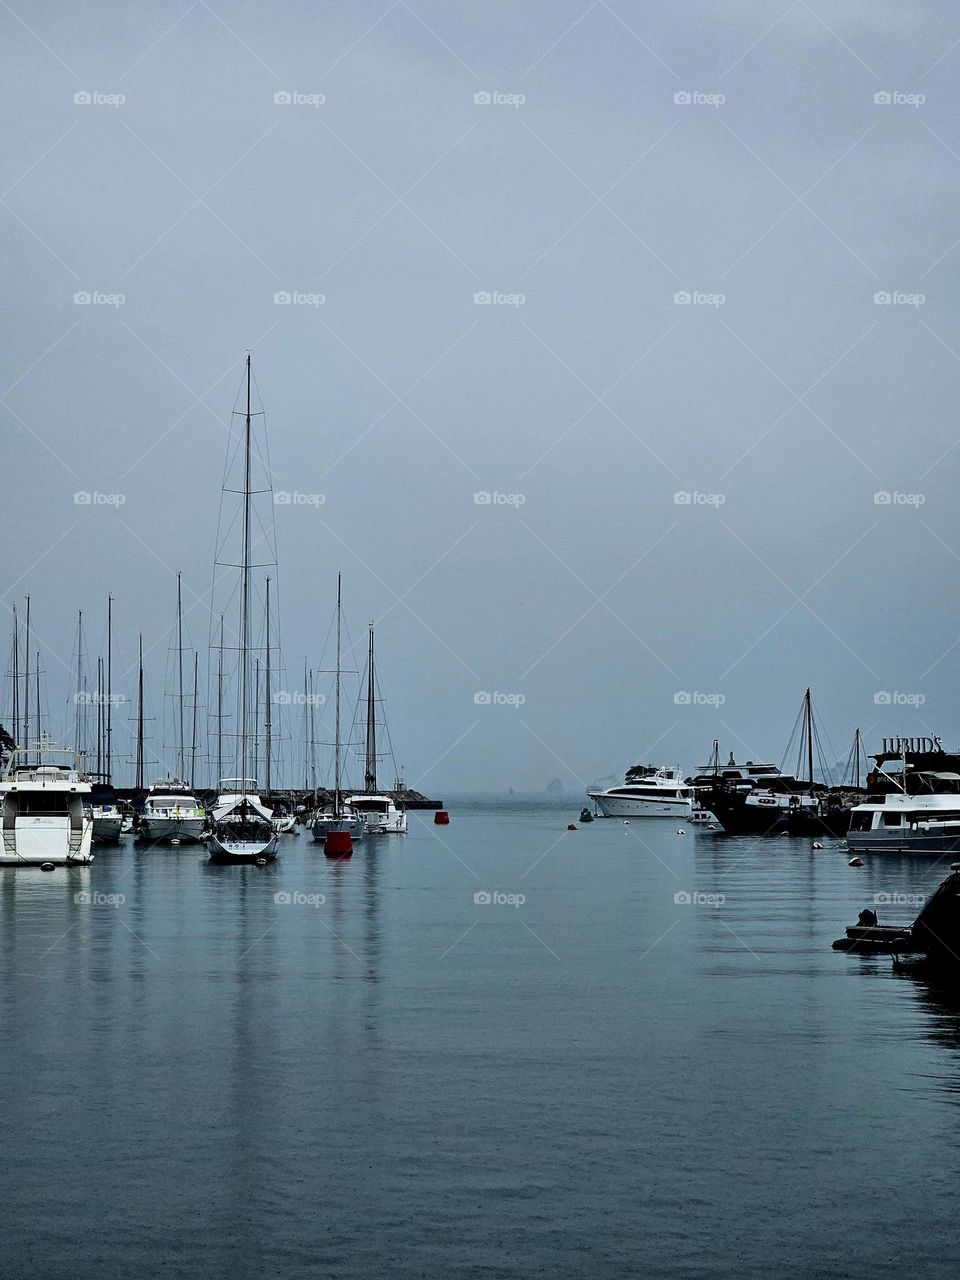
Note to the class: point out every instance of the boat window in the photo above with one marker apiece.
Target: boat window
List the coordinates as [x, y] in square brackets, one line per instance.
[861, 821]
[37, 804]
[892, 819]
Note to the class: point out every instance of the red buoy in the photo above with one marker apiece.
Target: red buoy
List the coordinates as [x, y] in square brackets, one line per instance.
[572, 826]
[441, 818]
[338, 844]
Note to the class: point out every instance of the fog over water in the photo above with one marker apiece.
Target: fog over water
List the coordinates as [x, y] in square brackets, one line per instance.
[712, 397]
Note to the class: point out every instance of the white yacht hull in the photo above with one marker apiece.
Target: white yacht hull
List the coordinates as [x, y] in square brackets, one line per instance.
[396, 825]
[379, 812]
[640, 807]
[33, 841]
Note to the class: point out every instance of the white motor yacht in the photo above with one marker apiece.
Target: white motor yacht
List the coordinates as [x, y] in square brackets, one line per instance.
[898, 823]
[46, 813]
[382, 815]
[647, 792]
[108, 821]
[172, 812]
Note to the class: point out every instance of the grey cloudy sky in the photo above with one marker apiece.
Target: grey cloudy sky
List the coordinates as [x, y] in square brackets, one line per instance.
[716, 148]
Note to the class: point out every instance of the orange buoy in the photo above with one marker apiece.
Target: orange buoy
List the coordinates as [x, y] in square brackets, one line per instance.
[572, 826]
[338, 844]
[441, 818]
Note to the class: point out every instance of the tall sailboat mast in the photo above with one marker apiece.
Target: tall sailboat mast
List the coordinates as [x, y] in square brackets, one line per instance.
[306, 729]
[312, 707]
[809, 705]
[336, 746]
[109, 745]
[181, 762]
[16, 675]
[26, 683]
[99, 716]
[370, 771]
[79, 709]
[193, 743]
[245, 594]
[139, 764]
[267, 698]
[255, 772]
[220, 705]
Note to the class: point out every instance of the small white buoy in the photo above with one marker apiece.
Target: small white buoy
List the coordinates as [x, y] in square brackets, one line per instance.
[680, 831]
[817, 844]
[626, 822]
[855, 862]
[261, 862]
[48, 866]
[711, 827]
[174, 841]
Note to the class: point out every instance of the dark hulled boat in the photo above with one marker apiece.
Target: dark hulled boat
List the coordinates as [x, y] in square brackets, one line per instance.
[931, 945]
[751, 799]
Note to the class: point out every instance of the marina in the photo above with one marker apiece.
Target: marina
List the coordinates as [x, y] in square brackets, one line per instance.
[479, 717]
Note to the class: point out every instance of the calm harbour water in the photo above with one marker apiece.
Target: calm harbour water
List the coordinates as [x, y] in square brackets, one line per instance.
[204, 1080]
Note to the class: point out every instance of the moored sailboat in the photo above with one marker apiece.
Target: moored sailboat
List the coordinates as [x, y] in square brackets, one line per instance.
[241, 827]
[338, 820]
[382, 814]
[171, 811]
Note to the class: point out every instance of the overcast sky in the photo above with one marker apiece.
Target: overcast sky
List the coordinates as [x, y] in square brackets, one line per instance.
[779, 165]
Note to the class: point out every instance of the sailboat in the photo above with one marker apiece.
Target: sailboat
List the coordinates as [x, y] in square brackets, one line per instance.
[383, 815]
[759, 799]
[171, 810]
[339, 818]
[108, 812]
[241, 827]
